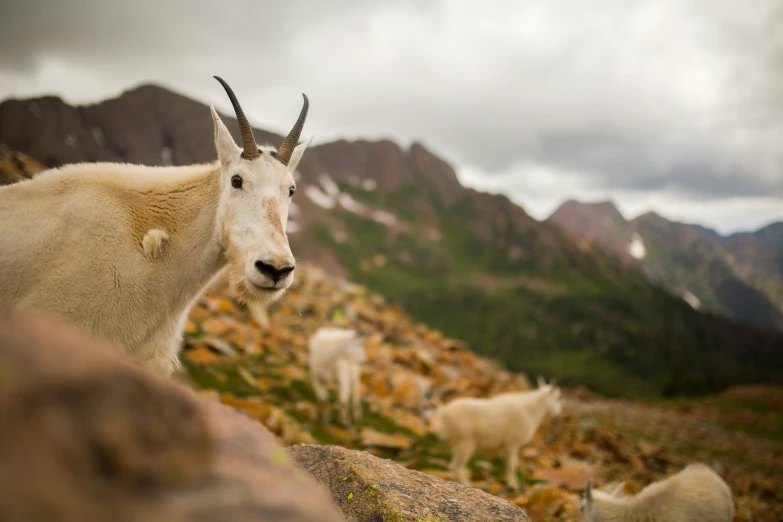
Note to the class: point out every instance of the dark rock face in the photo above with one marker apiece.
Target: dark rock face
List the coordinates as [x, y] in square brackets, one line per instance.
[86, 435]
[368, 488]
[148, 125]
[737, 277]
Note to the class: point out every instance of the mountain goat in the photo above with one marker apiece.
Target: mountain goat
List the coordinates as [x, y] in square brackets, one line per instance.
[336, 354]
[695, 494]
[122, 250]
[507, 421]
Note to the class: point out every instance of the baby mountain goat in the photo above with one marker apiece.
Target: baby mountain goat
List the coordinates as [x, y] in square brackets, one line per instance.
[122, 251]
[336, 354]
[695, 494]
[507, 421]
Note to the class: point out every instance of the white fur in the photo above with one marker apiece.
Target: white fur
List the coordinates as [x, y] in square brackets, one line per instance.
[336, 354]
[84, 243]
[153, 242]
[507, 421]
[695, 494]
[260, 313]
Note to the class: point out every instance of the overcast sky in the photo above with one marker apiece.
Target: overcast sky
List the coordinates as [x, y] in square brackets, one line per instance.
[669, 105]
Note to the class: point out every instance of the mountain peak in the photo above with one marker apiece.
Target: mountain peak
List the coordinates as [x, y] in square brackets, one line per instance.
[598, 209]
[651, 217]
[581, 218]
[770, 236]
[603, 206]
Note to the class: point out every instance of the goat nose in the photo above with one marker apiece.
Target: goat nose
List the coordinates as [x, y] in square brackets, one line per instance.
[273, 272]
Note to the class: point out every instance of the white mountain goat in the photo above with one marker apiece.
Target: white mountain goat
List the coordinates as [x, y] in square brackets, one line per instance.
[122, 250]
[336, 354]
[507, 421]
[695, 494]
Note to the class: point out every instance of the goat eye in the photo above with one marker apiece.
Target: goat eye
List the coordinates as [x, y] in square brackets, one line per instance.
[291, 191]
[236, 181]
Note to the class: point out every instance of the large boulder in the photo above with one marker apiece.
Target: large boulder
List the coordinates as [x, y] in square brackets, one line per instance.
[86, 435]
[371, 489]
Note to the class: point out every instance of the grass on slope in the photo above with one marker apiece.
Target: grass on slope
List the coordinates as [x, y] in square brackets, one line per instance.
[550, 311]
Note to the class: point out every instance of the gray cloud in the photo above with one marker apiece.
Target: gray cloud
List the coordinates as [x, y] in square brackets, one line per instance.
[675, 96]
[614, 161]
[171, 36]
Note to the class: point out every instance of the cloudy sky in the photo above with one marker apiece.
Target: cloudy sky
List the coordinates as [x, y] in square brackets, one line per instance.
[669, 105]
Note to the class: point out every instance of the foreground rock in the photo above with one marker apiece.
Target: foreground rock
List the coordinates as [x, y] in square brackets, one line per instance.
[368, 488]
[87, 436]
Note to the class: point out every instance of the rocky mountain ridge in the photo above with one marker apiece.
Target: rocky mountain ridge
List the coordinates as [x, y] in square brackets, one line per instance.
[472, 264]
[739, 276]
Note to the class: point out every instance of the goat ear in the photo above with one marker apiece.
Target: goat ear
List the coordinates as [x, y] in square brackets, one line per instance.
[227, 149]
[618, 491]
[297, 154]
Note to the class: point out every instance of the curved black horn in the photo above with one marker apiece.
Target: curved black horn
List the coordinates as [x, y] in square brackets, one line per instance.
[249, 142]
[290, 141]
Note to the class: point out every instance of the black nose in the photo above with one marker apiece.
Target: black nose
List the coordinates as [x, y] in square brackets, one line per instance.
[273, 272]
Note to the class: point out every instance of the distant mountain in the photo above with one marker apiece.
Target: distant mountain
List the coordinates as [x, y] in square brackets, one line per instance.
[737, 277]
[472, 264]
[770, 237]
[758, 257]
[148, 125]
[712, 234]
[600, 224]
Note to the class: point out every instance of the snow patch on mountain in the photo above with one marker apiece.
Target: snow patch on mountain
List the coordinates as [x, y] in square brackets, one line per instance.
[328, 196]
[329, 186]
[320, 198]
[636, 247]
[691, 299]
[351, 205]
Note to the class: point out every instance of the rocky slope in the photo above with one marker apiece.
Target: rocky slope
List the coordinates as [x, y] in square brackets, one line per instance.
[411, 368]
[472, 264]
[15, 166]
[758, 257]
[739, 276]
[771, 236]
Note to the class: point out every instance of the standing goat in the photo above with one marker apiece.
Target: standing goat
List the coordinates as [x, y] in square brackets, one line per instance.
[695, 494]
[507, 421]
[122, 251]
[336, 354]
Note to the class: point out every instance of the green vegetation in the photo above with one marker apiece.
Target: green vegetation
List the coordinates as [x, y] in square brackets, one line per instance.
[427, 451]
[522, 292]
[643, 440]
